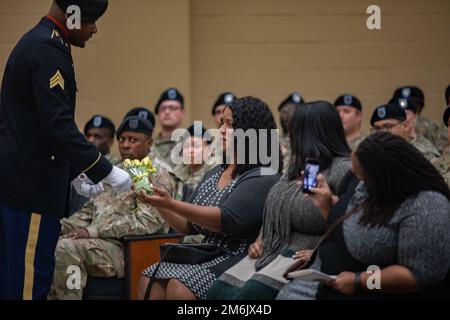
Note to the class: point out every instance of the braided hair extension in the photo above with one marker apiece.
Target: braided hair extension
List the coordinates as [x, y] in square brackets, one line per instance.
[393, 170]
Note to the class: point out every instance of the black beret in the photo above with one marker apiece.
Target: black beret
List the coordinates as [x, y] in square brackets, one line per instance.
[224, 98]
[410, 92]
[388, 111]
[170, 94]
[99, 121]
[91, 10]
[405, 104]
[135, 124]
[197, 130]
[143, 113]
[446, 116]
[294, 98]
[348, 100]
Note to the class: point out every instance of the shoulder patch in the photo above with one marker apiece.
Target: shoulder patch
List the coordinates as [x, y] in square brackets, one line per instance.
[57, 80]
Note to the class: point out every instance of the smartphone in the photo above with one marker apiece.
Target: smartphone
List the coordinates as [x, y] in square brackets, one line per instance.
[311, 171]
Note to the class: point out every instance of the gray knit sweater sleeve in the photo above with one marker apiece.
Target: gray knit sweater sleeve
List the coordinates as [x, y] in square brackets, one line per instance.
[417, 237]
[424, 238]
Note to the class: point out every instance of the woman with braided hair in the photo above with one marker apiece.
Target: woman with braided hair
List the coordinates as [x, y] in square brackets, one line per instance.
[396, 219]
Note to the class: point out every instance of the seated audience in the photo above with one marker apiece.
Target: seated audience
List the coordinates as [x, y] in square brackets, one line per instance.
[90, 237]
[397, 219]
[291, 221]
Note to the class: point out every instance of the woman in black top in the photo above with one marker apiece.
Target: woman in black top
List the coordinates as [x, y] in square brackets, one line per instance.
[226, 208]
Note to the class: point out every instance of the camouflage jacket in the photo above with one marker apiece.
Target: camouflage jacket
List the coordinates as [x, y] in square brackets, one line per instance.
[443, 166]
[190, 179]
[425, 147]
[446, 150]
[432, 132]
[162, 149]
[115, 215]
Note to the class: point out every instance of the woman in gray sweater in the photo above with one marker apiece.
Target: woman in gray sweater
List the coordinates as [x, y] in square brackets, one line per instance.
[291, 222]
[398, 223]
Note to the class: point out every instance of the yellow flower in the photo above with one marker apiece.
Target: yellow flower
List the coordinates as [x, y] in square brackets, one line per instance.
[146, 161]
[136, 162]
[127, 162]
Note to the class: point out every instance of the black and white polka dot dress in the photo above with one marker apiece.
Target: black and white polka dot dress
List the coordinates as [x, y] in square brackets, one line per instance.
[199, 278]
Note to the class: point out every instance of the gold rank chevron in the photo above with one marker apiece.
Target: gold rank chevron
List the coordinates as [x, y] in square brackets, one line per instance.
[57, 80]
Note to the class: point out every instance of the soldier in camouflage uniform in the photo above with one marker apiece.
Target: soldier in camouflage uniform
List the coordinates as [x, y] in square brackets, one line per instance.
[194, 163]
[286, 110]
[170, 112]
[100, 131]
[350, 111]
[400, 120]
[416, 139]
[425, 147]
[194, 166]
[432, 132]
[443, 163]
[424, 127]
[89, 239]
[145, 113]
[190, 177]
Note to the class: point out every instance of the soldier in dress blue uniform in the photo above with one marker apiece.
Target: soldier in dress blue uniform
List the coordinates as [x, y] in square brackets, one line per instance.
[42, 149]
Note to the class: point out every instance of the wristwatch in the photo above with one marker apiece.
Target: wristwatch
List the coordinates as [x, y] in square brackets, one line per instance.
[358, 284]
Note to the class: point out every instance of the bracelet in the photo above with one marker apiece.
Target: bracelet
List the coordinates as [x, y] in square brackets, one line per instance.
[358, 284]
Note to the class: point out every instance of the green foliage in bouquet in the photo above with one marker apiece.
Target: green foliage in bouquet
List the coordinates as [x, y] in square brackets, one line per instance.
[142, 174]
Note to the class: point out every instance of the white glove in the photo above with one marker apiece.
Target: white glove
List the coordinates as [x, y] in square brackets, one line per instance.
[85, 187]
[119, 180]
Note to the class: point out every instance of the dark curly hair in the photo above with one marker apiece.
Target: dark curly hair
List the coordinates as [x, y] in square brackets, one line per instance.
[393, 170]
[253, 113]
[316, 132]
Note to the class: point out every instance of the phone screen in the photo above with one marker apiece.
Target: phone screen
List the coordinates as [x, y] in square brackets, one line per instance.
[310, 175]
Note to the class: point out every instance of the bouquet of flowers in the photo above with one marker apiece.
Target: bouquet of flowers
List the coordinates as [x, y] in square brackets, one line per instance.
[142, 174]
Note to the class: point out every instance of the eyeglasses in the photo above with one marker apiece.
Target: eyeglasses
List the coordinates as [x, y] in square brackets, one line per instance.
[386, 127]
[170, 108]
